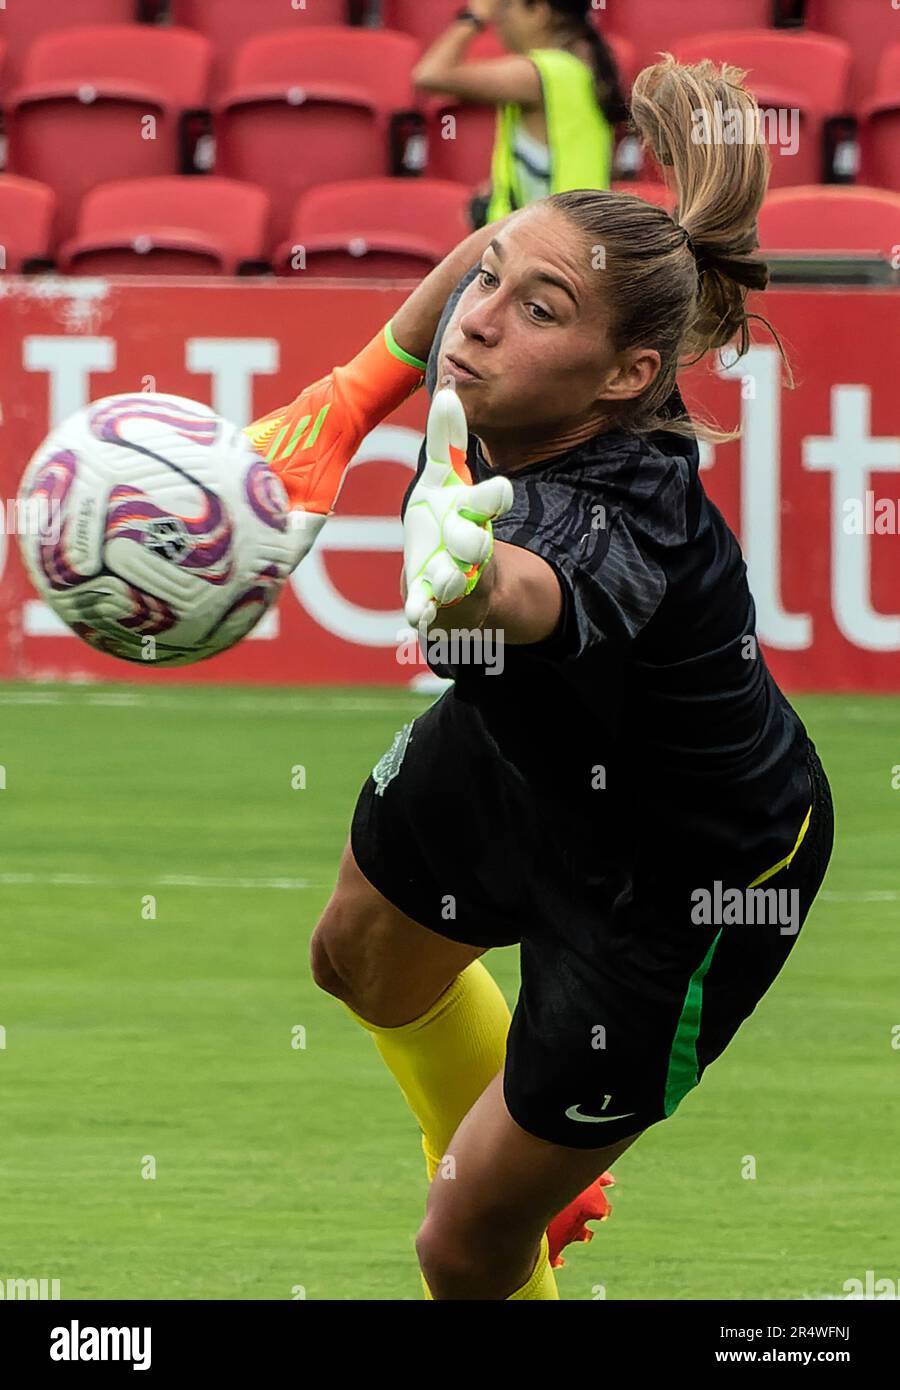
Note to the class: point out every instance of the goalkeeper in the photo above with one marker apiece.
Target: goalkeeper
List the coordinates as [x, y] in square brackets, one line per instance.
[633, 768]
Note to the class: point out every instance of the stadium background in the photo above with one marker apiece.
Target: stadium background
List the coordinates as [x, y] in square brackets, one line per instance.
[172, 1036]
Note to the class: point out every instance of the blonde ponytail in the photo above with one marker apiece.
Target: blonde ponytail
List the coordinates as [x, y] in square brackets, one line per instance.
[683, 115]
[680, 284]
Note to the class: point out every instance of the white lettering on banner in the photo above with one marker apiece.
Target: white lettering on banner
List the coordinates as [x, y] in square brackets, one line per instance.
[232, 363]
[349, 621]
[761, 499]
[70, 362]
[850, 455]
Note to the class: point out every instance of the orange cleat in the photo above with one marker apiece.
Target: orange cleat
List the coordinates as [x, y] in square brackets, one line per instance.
[569, 1226]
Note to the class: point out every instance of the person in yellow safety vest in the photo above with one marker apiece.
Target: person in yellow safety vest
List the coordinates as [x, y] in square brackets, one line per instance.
[558, 94]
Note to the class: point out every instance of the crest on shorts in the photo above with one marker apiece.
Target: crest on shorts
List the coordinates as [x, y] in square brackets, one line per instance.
[387, 767]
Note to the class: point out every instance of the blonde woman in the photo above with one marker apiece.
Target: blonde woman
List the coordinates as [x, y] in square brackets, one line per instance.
[631, 800]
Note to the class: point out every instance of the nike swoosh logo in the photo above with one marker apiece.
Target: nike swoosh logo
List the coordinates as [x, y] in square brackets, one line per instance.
[572, 1114]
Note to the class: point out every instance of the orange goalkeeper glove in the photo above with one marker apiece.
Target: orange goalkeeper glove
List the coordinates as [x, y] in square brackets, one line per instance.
[311, 442]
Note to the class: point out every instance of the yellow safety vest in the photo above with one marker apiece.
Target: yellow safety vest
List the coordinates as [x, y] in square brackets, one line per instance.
[579, 136]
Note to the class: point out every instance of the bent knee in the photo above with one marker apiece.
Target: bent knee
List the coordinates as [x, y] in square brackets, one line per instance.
[450, 1266]
[350, 958]
[472, 1265]
[324, 972]
[380, 962]
[341, 955]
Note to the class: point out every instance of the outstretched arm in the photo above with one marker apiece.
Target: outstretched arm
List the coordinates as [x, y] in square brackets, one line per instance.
[310, 442]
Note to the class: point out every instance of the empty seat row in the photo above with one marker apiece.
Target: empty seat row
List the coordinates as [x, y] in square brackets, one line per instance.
[225, 23]
[646, 26]
[303, 109]
[24, 22]
[229, 24]
[870, 27]
[377, 228]
[390, 228]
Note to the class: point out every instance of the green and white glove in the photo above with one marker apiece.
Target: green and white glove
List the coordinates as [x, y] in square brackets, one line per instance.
[447, 533]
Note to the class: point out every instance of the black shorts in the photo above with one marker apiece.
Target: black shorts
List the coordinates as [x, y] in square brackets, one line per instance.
[629, 989]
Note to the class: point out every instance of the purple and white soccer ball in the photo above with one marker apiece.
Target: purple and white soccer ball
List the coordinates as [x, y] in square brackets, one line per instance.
[160, 534]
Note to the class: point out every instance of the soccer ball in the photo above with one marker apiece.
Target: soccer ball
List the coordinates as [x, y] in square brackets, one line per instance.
[154, 529]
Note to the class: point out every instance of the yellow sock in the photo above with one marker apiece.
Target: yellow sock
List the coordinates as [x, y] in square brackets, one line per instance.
[442, 1062]
[540, 1285]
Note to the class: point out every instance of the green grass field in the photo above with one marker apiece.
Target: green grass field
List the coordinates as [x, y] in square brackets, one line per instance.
[281, 1166]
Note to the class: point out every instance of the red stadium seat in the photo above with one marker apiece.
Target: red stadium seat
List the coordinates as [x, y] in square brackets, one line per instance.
[102, 102]
[655, 193]
[230, 23]
[26, 222]
[180, 225]
[787, 71]
[655, 26]
[377, 228]
[868, 26]
[24, 21]
[423, 19]
[879, 131]
[833, 220]
[313, 107]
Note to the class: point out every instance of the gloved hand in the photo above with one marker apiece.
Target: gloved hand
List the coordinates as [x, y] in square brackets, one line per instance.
[447, 533]
[311, 442]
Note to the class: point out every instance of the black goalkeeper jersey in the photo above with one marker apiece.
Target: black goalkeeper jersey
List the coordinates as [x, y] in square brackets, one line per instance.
[649, 721]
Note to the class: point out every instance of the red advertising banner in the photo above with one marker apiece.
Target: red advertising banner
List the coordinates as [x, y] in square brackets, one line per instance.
[811, 488]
